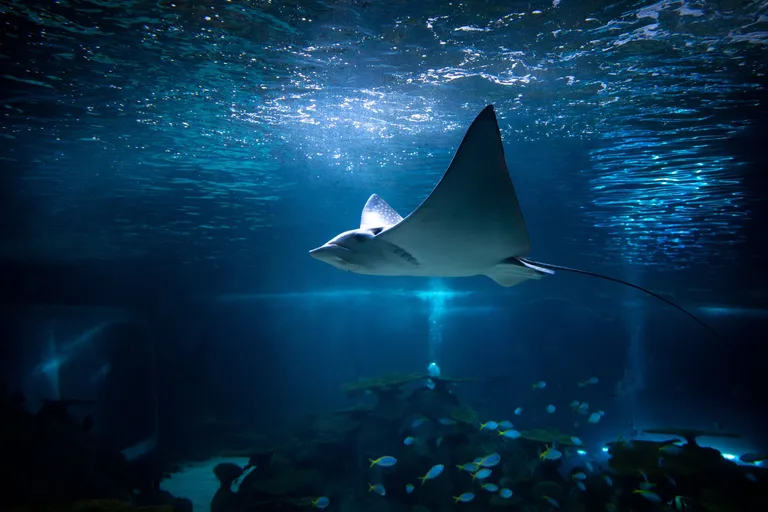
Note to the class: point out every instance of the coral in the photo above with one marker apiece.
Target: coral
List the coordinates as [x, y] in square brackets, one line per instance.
[395, 381]
[547, 489]
[548, 437]
[227, 472]
[290, 482]
[464, 414]
[690, 435]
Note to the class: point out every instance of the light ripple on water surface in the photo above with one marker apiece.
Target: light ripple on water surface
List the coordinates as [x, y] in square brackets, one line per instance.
[222, 110]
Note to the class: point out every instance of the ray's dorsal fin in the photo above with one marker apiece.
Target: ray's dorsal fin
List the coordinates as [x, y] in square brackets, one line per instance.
[378, 214]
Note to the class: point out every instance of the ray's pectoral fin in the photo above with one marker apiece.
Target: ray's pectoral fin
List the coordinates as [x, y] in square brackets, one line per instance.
[378, 214]
[513, 271]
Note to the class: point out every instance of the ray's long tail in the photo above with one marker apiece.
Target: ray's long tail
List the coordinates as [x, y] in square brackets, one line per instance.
[549, 266]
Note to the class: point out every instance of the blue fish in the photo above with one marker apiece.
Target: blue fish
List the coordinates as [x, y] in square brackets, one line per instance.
[470, 467]
[378, 489]
[490, 461]
[385, 461]
[408, 441]
[649, 495]
[671, 449]
[505, 493]
[464, 497]
[510, 434]
[505, 425]
[408, 488]
[433, 472]
[490, 487]
[321, 502]
[483, 473]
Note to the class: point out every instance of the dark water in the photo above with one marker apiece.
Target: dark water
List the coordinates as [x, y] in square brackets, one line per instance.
[166, 166]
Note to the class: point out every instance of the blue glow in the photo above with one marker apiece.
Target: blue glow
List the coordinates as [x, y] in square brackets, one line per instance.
[605, 449]
[426, 295]
[735, 312]
[729, 456]
[581, 452]
[437, 300]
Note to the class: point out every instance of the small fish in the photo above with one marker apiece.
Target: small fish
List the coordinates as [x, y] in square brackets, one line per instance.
[408, 441]
[321, 502]
[583, 408]
[581, 486]
[518, 411]
[575, 404]
[753, 458]
[645, 485]
[378, 489]
[671, 480]
[385, 461]
[439, 441]
[751, 477]
[575, 440]
[482, 474]
[505, 425]
[552, 501]
[608, 480]
[594, 417]
[408, 488]
[671, 449]
[589, 467]
[447, 421]
[680, 503]
[551, 409]
[490, 425]
[464, 497]
[490, 461]
[418, 422]
[431, 384]
[550, 453]
[488, 486]
[470, 467]
[591, 380]
[539, 385]
[505, 493]
[433, 472]
[649, 495]
[579, 476]
[509, 434]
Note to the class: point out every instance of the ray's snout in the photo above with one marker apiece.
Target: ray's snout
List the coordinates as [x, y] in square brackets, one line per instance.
[317, 252]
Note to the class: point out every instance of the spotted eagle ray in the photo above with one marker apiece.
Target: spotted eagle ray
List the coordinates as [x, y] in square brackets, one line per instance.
[470, 224]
